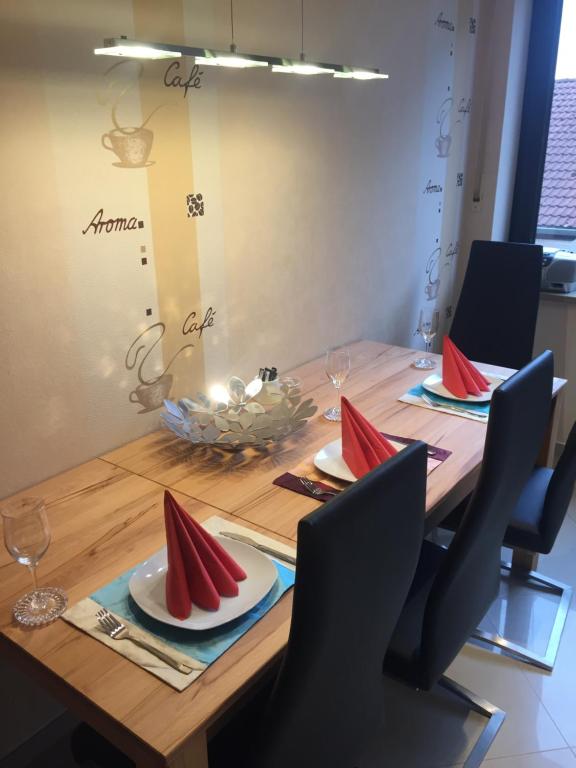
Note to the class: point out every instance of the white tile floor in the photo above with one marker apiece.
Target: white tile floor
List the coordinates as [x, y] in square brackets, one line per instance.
[431, 730]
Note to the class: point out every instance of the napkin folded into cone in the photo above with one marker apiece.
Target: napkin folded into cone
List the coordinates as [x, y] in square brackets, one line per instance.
[459, 376]
[199, 568]
[363, 446]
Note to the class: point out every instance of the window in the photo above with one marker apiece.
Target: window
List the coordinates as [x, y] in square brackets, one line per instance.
[536, 109]
[556, 228]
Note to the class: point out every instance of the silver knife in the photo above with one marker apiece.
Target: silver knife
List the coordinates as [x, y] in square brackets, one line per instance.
[261, 547]
[455, 408]
[449, 407]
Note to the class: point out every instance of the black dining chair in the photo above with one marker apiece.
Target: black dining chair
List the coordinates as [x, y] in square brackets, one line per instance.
[534, 527]
[495, 318]
[454, 587]
[356, 558]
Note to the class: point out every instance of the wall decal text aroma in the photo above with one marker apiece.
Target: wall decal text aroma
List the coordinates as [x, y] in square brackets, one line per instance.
[100, 225]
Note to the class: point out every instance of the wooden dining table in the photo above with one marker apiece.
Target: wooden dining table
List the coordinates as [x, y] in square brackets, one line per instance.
[107, 515]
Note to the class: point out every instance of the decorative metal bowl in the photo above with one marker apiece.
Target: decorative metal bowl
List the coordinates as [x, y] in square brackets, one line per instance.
[255, 415]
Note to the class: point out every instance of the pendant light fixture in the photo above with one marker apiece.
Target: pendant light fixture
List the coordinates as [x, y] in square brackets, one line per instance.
[360, 74]
[301, 66]
[210, 58]
[231, 58]
[135, 50]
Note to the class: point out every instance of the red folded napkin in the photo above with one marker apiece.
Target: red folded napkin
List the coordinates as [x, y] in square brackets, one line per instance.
[363, 446]
[199, 568]
[459, 376]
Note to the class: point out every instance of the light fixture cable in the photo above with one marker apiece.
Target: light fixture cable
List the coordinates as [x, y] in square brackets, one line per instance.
[301, 30]
[233, 44]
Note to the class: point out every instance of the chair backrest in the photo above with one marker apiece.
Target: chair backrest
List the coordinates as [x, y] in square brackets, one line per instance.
[356, 559]
[559, 493]
[469, 578]
[495, 319]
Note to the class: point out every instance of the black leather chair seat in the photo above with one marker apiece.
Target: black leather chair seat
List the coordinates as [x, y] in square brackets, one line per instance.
[523, 532]
[524, 529]
[402, 658]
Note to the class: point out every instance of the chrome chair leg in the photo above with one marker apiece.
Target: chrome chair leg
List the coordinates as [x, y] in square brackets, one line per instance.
[509, 648]
[494, 714]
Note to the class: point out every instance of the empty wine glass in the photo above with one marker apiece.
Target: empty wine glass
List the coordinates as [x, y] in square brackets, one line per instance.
[27, 537]
[337, 370]
[427, 328]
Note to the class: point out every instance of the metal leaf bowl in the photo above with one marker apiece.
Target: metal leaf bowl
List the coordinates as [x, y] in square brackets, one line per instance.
[255, 415]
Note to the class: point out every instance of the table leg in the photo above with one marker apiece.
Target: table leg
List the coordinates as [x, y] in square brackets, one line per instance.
[194, 754]
[522, 560]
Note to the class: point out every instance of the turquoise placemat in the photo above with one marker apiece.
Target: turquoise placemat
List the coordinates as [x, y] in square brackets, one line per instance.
[206, 645]
[472, 407]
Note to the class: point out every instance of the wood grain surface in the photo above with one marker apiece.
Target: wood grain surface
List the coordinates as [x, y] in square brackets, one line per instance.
[241, 483]
[107, 515]
[104, 520]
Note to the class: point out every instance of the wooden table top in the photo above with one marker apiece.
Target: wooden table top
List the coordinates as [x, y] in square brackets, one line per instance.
[104, 520]
[241, 483]
[107, 515]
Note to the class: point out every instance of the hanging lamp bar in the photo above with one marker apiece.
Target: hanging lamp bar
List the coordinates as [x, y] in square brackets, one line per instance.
[121, 46]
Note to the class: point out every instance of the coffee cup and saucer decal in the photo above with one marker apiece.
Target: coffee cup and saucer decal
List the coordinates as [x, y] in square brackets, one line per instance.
[131, 145]
[443, 143]
[152, 396]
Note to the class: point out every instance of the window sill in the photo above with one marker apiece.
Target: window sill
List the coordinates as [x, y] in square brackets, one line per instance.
[565, 297]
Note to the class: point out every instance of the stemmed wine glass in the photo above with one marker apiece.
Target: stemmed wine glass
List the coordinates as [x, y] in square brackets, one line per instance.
[427, 328]
[337, 370]
[27, 537]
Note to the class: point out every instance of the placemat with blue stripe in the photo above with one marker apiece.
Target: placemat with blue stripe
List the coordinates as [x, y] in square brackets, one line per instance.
[418, 391]
[206, 645]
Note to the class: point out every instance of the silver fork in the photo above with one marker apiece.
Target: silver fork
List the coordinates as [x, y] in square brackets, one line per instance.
[434, 404]
[118, 631]
[315, 489]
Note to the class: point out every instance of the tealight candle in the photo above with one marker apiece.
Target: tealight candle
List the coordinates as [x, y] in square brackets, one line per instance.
[219, 393]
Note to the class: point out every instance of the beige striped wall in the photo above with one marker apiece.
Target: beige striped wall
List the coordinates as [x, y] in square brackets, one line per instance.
[316, 228]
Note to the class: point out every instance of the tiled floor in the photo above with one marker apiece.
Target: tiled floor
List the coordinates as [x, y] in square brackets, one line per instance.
[432, 731]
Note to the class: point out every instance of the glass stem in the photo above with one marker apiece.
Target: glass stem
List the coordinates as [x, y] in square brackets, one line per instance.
[337, 387]
[32, 569]
[38, 602]
[428, 347]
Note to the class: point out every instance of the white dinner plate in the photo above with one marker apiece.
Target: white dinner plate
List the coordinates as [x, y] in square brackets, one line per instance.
[434, 384]
[148, 587]
[329, 460]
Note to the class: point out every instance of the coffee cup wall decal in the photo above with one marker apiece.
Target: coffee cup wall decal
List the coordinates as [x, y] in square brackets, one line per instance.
[131, 144]
[444, 139]
[432, 287]
[152, 396]
[153, 387]
[141, 349]
[443, 145]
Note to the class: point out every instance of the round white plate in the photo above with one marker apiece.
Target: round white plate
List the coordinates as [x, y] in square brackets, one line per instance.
[148, 587]
[329, 460]
[434, 384]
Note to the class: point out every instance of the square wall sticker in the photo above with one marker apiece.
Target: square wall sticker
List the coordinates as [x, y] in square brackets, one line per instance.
[194, 205]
